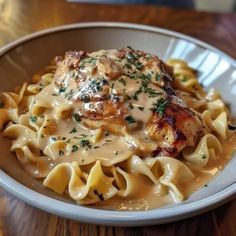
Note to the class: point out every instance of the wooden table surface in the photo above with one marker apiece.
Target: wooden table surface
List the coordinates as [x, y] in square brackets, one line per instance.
[19, 17]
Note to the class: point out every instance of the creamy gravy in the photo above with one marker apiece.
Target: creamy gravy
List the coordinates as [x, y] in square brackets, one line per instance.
[147, 198]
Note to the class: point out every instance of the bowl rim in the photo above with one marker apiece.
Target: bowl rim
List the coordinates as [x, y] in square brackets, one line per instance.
[115, 218]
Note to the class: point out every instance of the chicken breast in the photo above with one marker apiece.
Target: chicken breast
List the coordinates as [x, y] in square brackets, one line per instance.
[133, 89]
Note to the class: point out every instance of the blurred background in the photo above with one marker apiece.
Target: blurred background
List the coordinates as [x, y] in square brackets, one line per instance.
[20, 17]
[201, 5]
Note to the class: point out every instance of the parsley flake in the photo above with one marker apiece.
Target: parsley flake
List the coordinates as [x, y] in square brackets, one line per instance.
[131, 107]
[76, 117]
[85, 143]
[128, 66]
[158, 77]
[141, 108]
[74, 130]
[160, 106]
[130, 119]
[121, 80]
[62, 89]
[75, 148]
[33, 119]
[61, 153]
[135, 96]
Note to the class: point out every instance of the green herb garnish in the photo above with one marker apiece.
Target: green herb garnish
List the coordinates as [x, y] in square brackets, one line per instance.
[121, 80]
[128, 66]
[139, 65]
[85, 143]
[160, 106]
[61, 153]
[74, 130]
[62, 89]
[130, 119]
[158, 77]
[131, 107]
[135, 96]
[76, 117]
[75, 148]
[33, 119]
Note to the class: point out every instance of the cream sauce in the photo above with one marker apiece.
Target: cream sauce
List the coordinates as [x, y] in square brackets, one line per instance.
[148, 198]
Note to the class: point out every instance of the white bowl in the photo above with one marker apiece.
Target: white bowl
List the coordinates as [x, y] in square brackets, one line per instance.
[21, 59]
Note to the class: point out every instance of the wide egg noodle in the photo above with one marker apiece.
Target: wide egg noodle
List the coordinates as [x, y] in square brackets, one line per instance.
[185, 77]
[98, 186]
[175, 173]
[208, 148]
[22, 136]
[218, 125]
[33, 163]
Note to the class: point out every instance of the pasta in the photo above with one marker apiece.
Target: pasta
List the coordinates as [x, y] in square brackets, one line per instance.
[117, 128]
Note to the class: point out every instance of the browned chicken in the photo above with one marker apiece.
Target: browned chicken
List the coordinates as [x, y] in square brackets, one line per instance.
[129, 86]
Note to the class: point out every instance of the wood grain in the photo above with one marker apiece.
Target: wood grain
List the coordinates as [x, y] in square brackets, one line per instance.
[18, 218]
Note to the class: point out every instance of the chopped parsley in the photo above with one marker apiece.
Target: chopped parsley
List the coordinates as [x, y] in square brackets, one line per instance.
[76, 117]
[130, 119]
[74, 130]
[131, 107]
[75, 148]
[132, 57]
[100, 196]
[85, 143]
[89, 60]
[160, 106]
[139, 65]
[62, 89]
[158, 77]
[128, 66]
[107, 133]
[121, 80]
[148, 56]
[135, 96]
[95, 86]
[141, 108]
[204, 156]
[61, 153]
[33, 119]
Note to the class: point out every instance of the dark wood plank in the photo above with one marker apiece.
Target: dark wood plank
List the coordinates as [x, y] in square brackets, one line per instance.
[214, 28]
[18, 218]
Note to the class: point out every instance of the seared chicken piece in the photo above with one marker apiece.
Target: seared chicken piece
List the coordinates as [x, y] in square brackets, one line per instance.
[174, 128]
[129, 86]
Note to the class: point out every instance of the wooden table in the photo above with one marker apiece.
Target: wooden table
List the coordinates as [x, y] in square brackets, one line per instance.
[19, 17]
